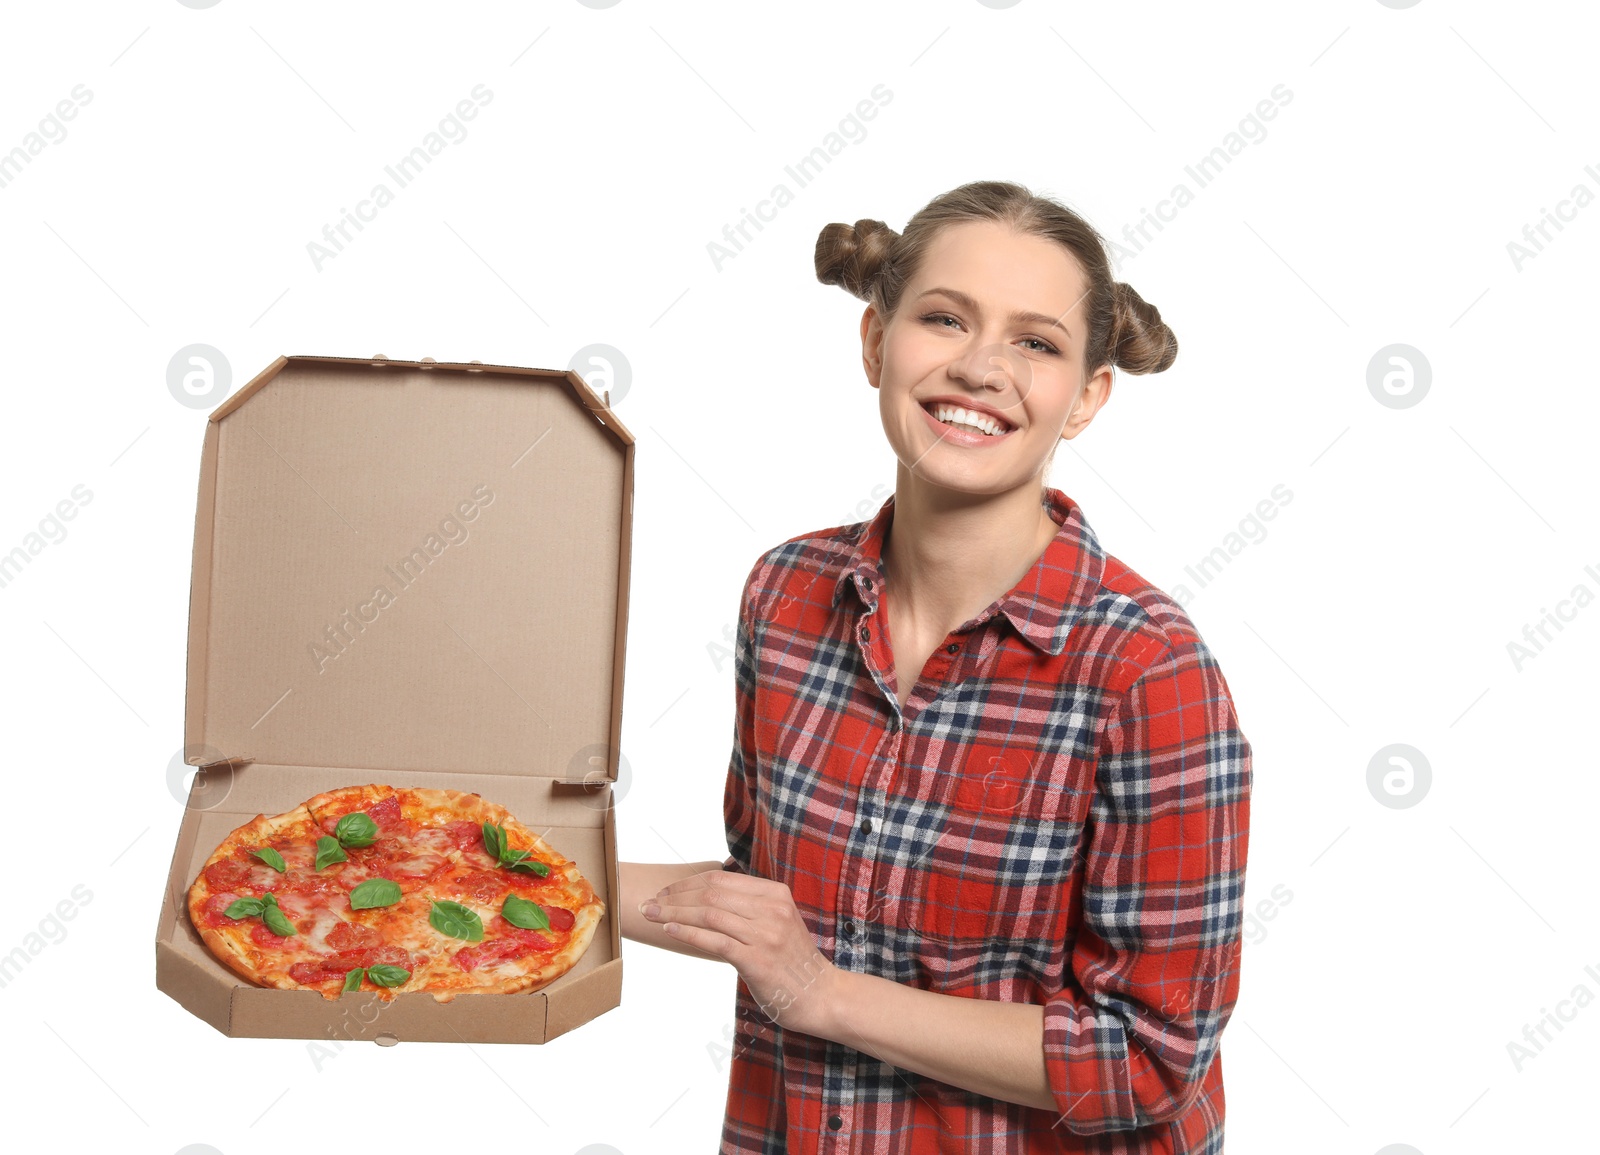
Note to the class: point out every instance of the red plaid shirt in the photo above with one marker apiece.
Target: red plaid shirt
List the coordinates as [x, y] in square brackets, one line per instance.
[1059, 815]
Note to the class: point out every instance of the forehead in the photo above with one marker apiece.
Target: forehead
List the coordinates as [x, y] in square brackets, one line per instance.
[1002, 268]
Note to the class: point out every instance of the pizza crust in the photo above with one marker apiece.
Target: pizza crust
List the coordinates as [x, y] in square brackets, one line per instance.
[261, 830]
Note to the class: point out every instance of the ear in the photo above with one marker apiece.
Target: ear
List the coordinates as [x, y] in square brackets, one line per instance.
[872, 344]
[1096, 392]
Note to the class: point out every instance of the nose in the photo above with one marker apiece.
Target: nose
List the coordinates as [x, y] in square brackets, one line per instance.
[995, 366]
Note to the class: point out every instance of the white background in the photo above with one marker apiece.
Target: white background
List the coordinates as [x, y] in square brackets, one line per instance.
[1379, 1000]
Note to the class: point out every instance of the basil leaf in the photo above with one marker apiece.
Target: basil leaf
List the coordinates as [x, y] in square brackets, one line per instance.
[524, 913]
[244, 908]
[352, 979]
[271, 857]
[374, 892]
[528, 865]
[384, 975]
[497, 844]
[494, 840]
[356, 830]
[270, 899]
[329, 851]
[277, 922]
[455, 920]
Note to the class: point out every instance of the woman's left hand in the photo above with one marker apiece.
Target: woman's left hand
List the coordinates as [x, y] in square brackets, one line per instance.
[753, 923]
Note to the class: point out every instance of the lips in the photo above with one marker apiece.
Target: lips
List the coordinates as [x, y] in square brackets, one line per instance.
[966, 438]
[1006, 425]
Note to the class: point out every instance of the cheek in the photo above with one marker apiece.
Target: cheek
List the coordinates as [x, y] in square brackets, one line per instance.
[897, 407]
[903, 426]
[911, 357]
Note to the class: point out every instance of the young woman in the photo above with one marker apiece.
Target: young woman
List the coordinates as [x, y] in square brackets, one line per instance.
[988, 801]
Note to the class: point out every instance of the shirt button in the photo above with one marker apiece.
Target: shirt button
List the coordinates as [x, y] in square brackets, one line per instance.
[866, 633]
[834, 1122]
[952, 647]
[866, 826]
[849, 929]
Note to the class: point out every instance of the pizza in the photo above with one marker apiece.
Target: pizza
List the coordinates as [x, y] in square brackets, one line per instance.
[387, 890]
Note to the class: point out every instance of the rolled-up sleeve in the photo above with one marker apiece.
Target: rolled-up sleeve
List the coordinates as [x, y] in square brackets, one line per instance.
[738, 801]
[1154, 966]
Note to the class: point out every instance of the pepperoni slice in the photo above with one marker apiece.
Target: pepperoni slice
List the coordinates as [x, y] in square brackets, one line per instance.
[213, 908]
[227, 873]
[463, 834]
[491, 953]
[487, 886]
[525, 882]
[330, 880]
[386, 813]
[477, 856]
[390, 955]
[262, 878]
[420, 866]
[507, 942]
[263, 936]
[338, 965]
[354, 936]
[385, 955]
[539, 939]
[311, 973]
[561, 919]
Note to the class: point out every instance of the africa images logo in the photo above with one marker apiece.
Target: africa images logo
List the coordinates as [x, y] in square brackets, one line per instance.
[341, 634]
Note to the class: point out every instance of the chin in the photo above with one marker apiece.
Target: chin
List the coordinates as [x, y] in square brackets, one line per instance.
[972, 481]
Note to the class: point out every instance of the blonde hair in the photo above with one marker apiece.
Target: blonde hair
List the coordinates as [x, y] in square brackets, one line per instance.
[873, 262]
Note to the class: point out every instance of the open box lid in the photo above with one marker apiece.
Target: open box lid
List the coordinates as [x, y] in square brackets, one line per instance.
[413, 566]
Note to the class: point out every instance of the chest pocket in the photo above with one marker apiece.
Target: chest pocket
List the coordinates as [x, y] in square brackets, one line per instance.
[992, 882]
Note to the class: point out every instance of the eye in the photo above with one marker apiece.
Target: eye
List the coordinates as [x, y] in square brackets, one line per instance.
[1043, 345]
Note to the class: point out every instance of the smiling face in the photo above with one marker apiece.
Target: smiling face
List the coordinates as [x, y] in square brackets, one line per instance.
[992, 322]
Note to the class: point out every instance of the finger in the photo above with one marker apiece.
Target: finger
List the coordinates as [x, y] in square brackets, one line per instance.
[738, 900]
[693, 912]
[730, 879]
[732, 891]
[707, 940]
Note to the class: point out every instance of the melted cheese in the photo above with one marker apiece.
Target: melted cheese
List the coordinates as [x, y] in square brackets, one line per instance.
[478, 857]
[419, 865]
[406, 925]
[300, 855]
[302, 909]
[434, 838]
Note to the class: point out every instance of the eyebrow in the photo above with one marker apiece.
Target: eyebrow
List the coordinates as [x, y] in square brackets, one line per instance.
[1016, 315]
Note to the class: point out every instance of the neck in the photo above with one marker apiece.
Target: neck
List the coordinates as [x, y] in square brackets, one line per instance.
[949, 554]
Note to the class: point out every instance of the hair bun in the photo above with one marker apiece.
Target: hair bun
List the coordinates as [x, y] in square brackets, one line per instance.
[1140, 342]
[854, 256]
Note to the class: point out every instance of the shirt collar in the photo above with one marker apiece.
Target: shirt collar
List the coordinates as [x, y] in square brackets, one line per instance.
[1042, 607]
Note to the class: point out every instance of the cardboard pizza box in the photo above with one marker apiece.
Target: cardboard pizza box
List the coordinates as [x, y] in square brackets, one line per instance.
[412, 573]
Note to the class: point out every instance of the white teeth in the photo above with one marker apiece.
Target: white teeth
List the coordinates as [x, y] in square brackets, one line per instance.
[968, 418]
